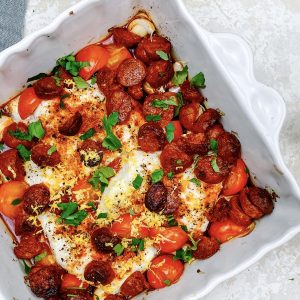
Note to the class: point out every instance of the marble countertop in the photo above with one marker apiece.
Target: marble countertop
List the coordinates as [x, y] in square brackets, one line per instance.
[272, 29]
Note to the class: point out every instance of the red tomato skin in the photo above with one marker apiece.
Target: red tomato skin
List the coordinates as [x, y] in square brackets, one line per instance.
[174, 238]
[178, 130]
[71, 281]
[117, 54]
[28, 103]
[236, 180]
[97, 56]
[163, 268]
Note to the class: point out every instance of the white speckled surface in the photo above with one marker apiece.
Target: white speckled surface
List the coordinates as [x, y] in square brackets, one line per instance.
[272, 28]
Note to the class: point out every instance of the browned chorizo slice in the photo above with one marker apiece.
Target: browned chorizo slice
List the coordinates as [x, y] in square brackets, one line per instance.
[206, 247]
[136, 91]
[73, 294]
[29, 247]
[125, 38]
[23, 225]
[211, 169]
[207, 119]
[40, 156]
[72, 125]
[193, 143]
[46, 88]
[159, 73]
[219, 211]
[11, 141]
[11, 165]
[91, 153]
[191, 93]
[151, 137]
[250, 209]
[99, 272]
[236, 213]
[150, 107]
[63, 74]
[188, 115]
[103, 240]
[174, 160]
[107, 81]
[45, 282]
[114, 297]
[156, 197]
[134, 285]
[119, 101]
[172, 203]
[214, 131]
[229, 147]
[262, 199]
[146, 49]
[36, 199]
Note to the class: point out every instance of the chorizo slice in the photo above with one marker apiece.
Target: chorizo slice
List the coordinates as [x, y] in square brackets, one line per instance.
[36, 199]
[248, 207]
[131, 71]
[99, 272]
[115, 297]
[236, 213]
[29, 247]
[103, 240]
[219, 212]
[206, 247]
[45, 281]
[211, 169]
[73, 294]
[189, 114]
[136, 91]
[156, 197]
[214, 131]
[63, 74]
[12, 141]
[159, 73]
[119, 101]
[11, 165]
[23, 225]
[91, 153]
[166, 113]
[151, 137]
[229, 147]
[107, 81]
[262, 199]
[194, 143]
[72, 125]
[46, 88]
[207, 119]
[40, 156]
[134, 285]
[172, 202]
[125, 38]
[191, 93]
[174, 160]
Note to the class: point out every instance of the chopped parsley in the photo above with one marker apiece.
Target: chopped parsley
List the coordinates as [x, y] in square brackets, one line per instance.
[213, 145]
[170, 175]
[40, 256]
[164, 104]
[180, 76]
[163, 55]
[69, 63]
[137, 182]
[88, 134]
[184, 227]
[36, 129]
[102, 216]
[93, 80]
[153, 118]
[100, 177]
[1, 146]
[137, 244]
[185, 255]
[157, 176]
[167, 282]
[92, 205]
[119, 248]
[215, 165]
[179, 105]
[111, 142]
[24, 153]
[70, 214]
[51, 150]
[80, 82]
[57, 80]
[179, 162]
[171, 221]
[170, 128]
[195, 181]
[36, 77]
[61, 102]
[27, 269]
[16, 202]
[131, 212]
[198, 80]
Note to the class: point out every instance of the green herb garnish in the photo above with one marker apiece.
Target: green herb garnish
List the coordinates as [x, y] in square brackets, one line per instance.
[36, 77]
[179, 105]
[40, 256]
[102, 216]
[198, 80]
[167, 282]
[195, 181]
[88, 134]
[157, 176]
[163, 55]
[80, 82]
[215, 165]
[137, 182]
[170, 128]
[24, 153]
[213, 145]
[171, 221]
[92, 205]
[51, 150]
[100, 177]
[180, 76]
[119, 248]
[69, 63]
[71, 215]
[170, 175]
[16, 202]
[164, 104]
[111, 142]
[153, 118]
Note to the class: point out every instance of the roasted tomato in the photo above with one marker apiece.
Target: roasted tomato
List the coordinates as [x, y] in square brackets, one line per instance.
[28, 103]
[96, 56]
[236, 180]
[70, 282]
[164, 271]
[11, 194]
[177, 130]
[172, 238]
[117, 54]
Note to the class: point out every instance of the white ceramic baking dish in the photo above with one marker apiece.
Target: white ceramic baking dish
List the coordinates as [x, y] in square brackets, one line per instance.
[253, 110]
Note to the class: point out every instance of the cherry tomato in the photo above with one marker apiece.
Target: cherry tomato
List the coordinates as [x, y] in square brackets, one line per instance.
[172, 238]
[97, 57]
[123, 225]
[70, 281]
[81, 184]
[10, 191]
[28, 103]
[49, 259]
[178, 130]
[116, 164]
[164, 270]
[236, 180]
[117, 55]
[226, 230]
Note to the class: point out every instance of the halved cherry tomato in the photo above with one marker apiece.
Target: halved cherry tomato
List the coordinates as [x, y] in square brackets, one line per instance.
[49, 259]
[178, 130]
[10, 191]
[28, 103]
[172, 238]
[123, 225]
[116, 164]
[70, 281]
[164, 270]
[97, 56]
[117, 55]
[236, 180]
[81, 184]
[226, 230]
